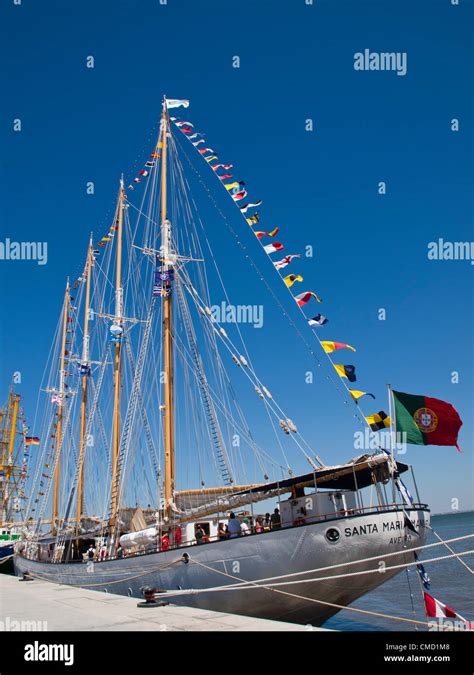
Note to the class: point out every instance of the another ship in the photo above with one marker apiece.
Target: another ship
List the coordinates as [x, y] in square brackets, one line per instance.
[15, 445]
[153, 393]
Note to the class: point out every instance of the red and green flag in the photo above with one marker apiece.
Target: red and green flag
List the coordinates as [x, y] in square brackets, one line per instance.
[426, 420]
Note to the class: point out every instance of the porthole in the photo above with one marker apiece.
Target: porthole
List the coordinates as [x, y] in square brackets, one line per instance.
[333, 535]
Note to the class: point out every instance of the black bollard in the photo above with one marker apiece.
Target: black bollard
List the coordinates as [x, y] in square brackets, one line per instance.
[25, 577]
[149, 595]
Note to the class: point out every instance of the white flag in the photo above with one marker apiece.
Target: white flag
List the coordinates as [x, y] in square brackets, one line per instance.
[177, 103]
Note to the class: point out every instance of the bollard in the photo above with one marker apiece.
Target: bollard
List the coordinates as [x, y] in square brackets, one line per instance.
[26, 577]
[149, 595]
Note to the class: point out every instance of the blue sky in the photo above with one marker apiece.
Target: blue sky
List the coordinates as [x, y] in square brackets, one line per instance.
[320, 187]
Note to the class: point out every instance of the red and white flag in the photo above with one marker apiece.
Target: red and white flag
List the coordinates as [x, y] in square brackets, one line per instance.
[237, 196]
[303, 298]
[279, 264]
[222, 166]
[271, 248]
[437, 610]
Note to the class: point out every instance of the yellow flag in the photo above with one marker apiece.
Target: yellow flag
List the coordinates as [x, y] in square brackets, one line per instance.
[358, 394]
[291, 278]
[330, 347]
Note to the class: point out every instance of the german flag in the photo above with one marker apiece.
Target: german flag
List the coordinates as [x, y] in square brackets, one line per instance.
[32, 440]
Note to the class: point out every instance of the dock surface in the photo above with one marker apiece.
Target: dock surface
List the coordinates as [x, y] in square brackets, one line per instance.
[62, 608]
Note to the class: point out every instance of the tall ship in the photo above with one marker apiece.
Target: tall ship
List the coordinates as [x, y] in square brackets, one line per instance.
[15, 447]
[167, 452]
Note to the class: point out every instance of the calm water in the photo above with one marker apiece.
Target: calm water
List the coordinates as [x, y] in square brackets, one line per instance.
[451, 583]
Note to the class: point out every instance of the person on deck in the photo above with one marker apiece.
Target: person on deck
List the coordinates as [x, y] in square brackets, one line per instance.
[221, 532]
[267, 524]
[235, 529]
[177, 536]
[276, 520]
[200, 535]
[165, 541]
[91, 552]
[259, 525]
[244, 526]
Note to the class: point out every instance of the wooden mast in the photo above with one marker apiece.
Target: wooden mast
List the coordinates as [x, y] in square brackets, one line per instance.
[5, 428]
[59, 426]
[168, 418]
[85, 365]
[13, 403]
[118, 321]
[4, 433]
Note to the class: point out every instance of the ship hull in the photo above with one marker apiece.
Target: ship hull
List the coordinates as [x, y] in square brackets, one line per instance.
[6, 561]
[280, 552]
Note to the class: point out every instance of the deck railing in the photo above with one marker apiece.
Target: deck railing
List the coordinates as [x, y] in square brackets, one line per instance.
[330, 516]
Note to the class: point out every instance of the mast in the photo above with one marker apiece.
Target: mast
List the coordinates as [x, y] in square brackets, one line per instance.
[5, 428]
[118, 322]
[59, 427]
[85, 368]
[167, 266]
[13, 403]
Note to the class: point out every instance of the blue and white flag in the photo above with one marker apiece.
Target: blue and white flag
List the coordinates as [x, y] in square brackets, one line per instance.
[425, 580]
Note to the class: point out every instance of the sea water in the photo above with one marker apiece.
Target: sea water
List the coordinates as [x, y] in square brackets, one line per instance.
[451, 583]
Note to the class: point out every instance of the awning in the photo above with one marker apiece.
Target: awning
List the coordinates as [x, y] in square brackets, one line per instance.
[352, 476]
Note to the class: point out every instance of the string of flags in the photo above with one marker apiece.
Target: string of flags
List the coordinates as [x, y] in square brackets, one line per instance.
[238, 192]
[28, 441]
[435, 609]
[423, 433]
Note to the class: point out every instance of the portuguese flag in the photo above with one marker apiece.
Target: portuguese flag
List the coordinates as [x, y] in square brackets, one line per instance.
[426, 421]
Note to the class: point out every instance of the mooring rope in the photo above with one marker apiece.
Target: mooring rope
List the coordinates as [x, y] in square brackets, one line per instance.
[450, 549]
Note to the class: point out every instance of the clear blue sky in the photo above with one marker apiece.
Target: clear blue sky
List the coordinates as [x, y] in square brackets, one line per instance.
[320, 188]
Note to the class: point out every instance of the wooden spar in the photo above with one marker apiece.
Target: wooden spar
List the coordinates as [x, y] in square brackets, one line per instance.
[85, 362]
[59, 426]
[7, 466]
[4, 432]
[224, 490]
[168, 418]
[5, 428]
[118, 320]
